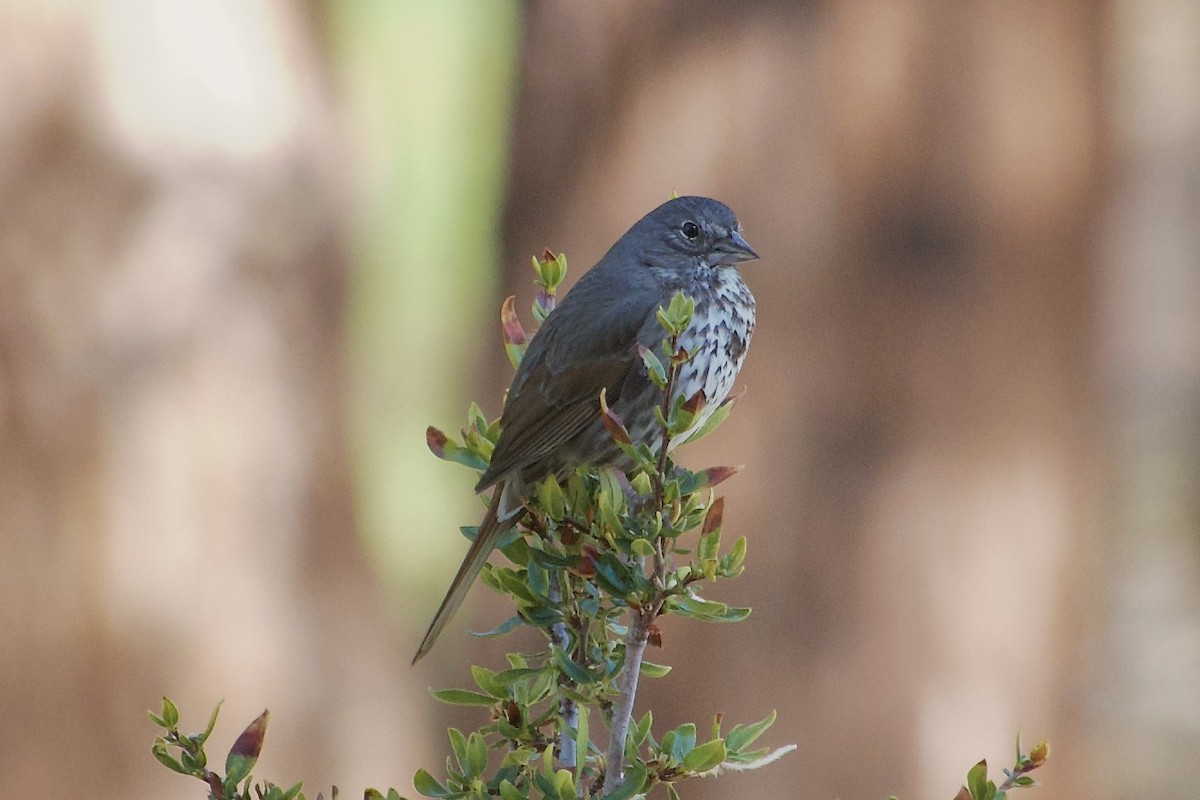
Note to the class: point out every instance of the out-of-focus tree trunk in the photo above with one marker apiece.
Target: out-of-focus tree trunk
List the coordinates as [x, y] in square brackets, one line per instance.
[174, 496]
[924, 183]
[1145, 700]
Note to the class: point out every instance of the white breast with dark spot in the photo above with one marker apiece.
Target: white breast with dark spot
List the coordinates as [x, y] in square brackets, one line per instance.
[717, 339]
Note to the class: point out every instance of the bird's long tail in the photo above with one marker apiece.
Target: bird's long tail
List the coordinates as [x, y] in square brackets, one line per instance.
[495, 524]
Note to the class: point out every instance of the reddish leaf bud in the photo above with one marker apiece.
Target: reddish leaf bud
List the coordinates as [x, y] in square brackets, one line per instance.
[588, 557]
[654, 636]
[436, 441]
[514, 333]
[612, 423]
[715, 475]
[712, 520]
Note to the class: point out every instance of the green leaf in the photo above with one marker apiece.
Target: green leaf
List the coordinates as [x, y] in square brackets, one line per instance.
[458, 743]
[519, 757]
[977, 781]
[485, 679]
[551, 271]
[476, 419]
[509, 625]
[551, 498]
[742, 737]
[609, 515]
[561, 261]
[212, 723]
[244, 753]
[642, 547]
[707, 610]
[569, 668]
[513, 584]
[678, 313]
[477, 756]
[640, 729]
[564, 785]
[654, 366]
[541, 617]
[613, 575]
[537, 578]
[462, 697]
[634, 781]
[516, 550]
[199, 759]
[705, 757]
[652, 670]
[732, 614]
[679, 742]
[610, 487]
[509, 792]
[159, 751]
[170, 714]
[582, 740]
[293, 792]
[545, 783]
[428, 786]
[732, 563]
[511, 676]
[715, 417]
[682, 419]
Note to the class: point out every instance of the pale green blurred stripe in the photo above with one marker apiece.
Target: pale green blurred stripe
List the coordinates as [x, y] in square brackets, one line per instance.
[429, 87]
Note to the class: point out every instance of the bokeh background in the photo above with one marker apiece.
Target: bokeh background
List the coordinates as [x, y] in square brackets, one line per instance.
[249, 250]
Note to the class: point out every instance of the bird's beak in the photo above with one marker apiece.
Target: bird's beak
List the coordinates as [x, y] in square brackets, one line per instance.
[735, 250]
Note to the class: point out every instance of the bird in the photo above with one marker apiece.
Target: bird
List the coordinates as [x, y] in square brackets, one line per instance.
[551, 423]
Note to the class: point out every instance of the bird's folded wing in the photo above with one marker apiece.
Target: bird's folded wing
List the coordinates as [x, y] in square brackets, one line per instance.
[551, 408]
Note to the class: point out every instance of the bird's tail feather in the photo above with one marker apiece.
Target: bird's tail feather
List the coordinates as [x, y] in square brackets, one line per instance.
[495, 524]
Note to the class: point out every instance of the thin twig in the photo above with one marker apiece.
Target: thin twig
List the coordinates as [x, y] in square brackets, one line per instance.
[635, 648]
[568, 711]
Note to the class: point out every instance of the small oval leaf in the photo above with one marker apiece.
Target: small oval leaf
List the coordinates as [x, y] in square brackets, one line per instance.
[244, 753]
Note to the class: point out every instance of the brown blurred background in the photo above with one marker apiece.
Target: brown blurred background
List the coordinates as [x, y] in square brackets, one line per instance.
[248, 250]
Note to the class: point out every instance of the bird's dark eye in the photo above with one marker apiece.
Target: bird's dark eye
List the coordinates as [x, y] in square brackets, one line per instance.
[691, 230]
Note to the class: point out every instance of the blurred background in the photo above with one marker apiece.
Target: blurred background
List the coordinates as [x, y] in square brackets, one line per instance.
[249, 250]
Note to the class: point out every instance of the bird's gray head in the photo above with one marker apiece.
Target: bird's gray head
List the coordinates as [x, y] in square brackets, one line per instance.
[702, 230]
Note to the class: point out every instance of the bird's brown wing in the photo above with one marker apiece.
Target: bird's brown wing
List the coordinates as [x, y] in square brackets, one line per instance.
[551, 408]
[587, 344]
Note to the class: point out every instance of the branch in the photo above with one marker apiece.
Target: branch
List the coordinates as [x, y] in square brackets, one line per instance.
[567, 709]
[635, 649]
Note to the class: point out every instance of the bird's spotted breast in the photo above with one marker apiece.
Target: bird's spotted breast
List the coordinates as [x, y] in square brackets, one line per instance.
[717, 339]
